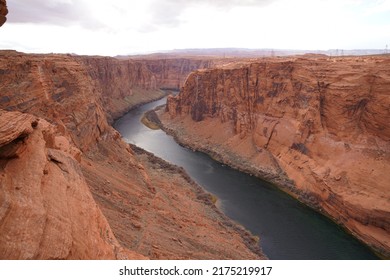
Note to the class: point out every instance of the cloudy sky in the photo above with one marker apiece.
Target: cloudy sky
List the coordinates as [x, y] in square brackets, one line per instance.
[111, 27]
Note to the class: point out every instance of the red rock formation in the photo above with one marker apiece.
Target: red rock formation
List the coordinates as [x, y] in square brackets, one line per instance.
[171, 73]
[3, 12]
[123, 84]
[79, 93]
[53, 158]
[46, 209]
[316, 127]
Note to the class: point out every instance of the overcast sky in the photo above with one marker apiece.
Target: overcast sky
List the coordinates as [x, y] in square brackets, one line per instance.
[111, 27]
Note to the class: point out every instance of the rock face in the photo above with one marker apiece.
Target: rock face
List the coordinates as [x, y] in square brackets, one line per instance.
[123, 84]
[3, 12]
[72, 189]
[46, 209]
[49, 86]
[171, 73]
[316, 127]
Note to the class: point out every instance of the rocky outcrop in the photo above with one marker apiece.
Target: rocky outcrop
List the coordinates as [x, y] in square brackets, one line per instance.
[46, 209]
[316, 127]
[3, 12]
[72, 189]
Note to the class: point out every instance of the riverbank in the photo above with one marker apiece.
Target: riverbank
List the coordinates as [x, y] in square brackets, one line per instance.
[161, 168]
[158, 211]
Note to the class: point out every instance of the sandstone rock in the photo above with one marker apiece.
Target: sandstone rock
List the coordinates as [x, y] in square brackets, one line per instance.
[3, 12]
[81, 94]
[315, 118]
[46, 209]
[123, 84]
[171, 73]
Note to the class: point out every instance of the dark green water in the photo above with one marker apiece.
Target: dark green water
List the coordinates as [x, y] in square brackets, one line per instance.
[287, 229]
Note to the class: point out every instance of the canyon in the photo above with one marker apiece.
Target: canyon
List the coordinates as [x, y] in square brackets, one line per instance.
[71, 188]
[315, 126]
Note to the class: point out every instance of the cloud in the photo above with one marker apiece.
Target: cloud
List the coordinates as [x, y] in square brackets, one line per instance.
[53, 12]
[168, 12]
[107, 13]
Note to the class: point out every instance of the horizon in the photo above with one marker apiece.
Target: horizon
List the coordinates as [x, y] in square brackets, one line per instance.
[121, 27]
[240, 52]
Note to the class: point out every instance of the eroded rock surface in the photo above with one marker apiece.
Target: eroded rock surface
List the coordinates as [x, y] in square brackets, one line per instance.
[46, 208]
[171, 73]
[317, 127]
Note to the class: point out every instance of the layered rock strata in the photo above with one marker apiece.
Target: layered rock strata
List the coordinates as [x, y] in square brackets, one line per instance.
[46, 208]
[171, 73]
[317, 127]
[72, 189]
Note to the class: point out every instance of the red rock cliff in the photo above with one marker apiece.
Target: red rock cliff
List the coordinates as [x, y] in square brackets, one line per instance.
[46, 208]
[78, 93]
[319, 128]
[171, 73]
[123, 84]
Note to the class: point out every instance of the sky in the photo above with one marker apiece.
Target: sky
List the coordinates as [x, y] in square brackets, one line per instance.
[120, 27]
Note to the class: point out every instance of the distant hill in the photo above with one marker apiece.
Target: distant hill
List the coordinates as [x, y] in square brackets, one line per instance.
[242, 52]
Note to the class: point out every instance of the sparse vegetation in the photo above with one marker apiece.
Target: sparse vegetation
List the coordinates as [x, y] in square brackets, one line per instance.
[300, 147]
[149, 123]
[214, 199]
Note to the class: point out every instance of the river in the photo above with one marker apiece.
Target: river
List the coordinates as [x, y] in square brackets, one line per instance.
[287, 229]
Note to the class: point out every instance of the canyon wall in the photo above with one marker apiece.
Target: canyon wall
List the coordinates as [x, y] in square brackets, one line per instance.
[317, 127]
[78, 93]
[171, 73]
[72, 189]
[46, 208]
[123, 84]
